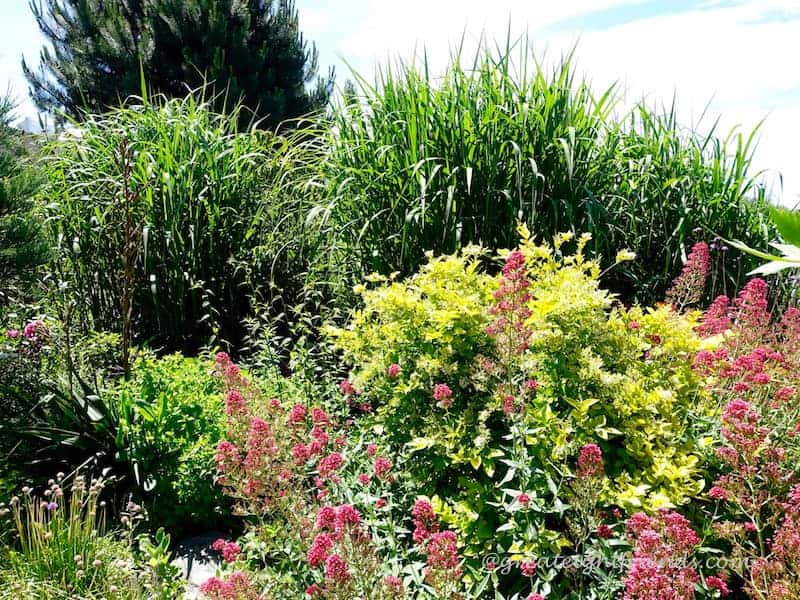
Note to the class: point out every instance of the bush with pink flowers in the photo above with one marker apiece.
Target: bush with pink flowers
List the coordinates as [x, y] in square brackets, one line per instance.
[503, 378]
[501, 427]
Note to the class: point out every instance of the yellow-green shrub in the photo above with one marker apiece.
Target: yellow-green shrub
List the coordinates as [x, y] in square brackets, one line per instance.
[432, 324]
[619, 377]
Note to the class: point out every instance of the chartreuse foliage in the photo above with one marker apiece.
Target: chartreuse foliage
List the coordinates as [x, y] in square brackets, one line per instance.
[619, 377]
[432, 323]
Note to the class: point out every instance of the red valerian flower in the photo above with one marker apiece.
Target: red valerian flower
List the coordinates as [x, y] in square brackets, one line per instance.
[425, 521]
[382, 467]
[443, 395]
[689, 286]
[297, 415]
[604, 531]
[718, 583]
[528, 568]
[395, 585]
[230, 550]
[661, 544]
[236, 587]
[318, 552]
[336, 568]
[330, 464]
[590, 461]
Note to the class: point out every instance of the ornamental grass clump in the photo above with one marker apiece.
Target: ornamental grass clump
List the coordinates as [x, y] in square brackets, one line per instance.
[62, 547]
[419, 160]
[169, 217]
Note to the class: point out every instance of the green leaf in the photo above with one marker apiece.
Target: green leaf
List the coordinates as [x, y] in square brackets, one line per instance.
[420, 443]
[773, 267]
[788, 223]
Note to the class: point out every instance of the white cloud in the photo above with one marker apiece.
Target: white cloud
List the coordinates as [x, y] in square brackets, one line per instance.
[725, 56]
[366, 33]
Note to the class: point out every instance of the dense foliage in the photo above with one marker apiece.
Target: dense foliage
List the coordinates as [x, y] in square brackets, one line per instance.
[495, 378]
[155, 432]
[169, 425]
[499, 426]
[418, 162]
[22, 246]
[251, 52]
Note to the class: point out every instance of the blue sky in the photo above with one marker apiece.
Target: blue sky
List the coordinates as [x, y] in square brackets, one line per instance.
[739, 57]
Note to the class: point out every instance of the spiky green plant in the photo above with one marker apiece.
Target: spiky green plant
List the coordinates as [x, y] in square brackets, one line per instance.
[417, 162]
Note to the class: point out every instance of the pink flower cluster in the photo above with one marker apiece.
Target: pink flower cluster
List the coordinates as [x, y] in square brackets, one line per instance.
[751, 308]
[346, 387]
[230, 550]
[749, 313]
[340, 537]
[235, 404]
[658, 570]
[752, 460]
[716, 318]
[330, 464]
[510, 310]
[443, 395]
[35, 330]
[745, 370]
[590, 461]
[297, 416]
[689, 286]
[440, 547]
[425, 521]
[266, 456]
[741, 428]
[528, 568]
[333, 524]
[442, 551]
[394, 586]
[382, 467]
[237, 586]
